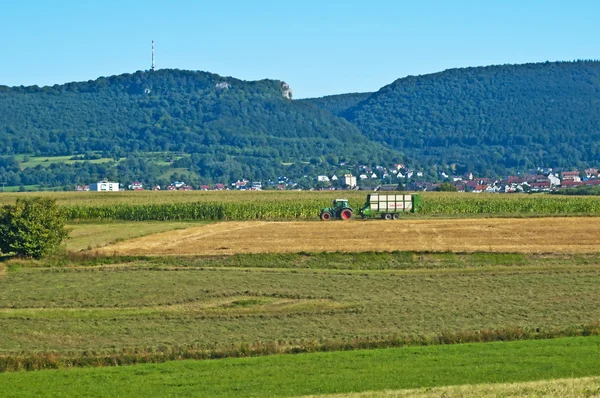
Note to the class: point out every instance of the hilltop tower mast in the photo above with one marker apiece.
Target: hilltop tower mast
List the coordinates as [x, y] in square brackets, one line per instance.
[153, 64]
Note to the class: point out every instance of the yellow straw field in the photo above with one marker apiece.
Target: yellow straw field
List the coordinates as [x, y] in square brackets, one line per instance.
[524, 235]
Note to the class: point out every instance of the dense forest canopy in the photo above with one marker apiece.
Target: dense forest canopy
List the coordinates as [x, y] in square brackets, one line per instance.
[490, 119]
[338, 104]
[174, 110]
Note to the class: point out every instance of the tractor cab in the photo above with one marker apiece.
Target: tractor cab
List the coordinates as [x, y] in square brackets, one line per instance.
[340, 210]
[340, 203]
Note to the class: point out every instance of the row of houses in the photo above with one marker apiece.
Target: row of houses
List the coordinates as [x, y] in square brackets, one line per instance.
[541, 180]
[534, 182]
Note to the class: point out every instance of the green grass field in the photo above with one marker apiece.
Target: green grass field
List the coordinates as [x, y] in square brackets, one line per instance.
[323, 373]
[46, 161]
[151, 304]
[86, 236]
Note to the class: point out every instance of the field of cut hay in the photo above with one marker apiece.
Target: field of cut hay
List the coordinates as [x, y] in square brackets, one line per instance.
[532, 235]
[562, 388]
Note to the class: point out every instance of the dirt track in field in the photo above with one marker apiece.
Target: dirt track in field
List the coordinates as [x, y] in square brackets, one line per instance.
[526, 235]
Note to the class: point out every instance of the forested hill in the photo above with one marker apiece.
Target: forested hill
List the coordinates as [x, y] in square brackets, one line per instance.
[228, 121]
[490, 118]
[338, 104]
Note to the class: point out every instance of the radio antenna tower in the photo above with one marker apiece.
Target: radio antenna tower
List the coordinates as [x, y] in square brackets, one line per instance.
[153, 64]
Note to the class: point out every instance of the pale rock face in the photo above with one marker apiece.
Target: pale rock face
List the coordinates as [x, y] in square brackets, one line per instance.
[288, 93]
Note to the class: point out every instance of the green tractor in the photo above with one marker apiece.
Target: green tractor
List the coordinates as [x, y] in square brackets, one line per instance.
[378, 205]
[340, 210]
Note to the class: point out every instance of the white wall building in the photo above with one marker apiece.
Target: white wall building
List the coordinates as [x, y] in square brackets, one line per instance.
[104, 186]
[554, 180]
[350, 180]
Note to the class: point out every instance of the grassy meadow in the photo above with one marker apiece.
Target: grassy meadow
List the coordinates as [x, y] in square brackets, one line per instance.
[331, 372]
[150, 304]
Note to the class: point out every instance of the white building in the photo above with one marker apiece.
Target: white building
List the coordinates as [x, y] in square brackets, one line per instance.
[554, 180]
[322, 178]
[350, 180]
[104, 186]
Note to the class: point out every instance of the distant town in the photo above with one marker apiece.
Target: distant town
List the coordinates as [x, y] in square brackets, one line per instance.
[379, 178]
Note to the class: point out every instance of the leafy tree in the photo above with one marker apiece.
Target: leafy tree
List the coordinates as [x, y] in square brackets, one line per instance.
[446, 187]
[32, 227]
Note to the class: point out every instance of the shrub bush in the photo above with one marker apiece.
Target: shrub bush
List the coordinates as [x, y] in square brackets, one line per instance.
[32, 227]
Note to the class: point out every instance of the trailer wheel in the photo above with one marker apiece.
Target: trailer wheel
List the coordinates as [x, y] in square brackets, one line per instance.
[395, 216]
[346, 214]
[326, 216]
[387, 216]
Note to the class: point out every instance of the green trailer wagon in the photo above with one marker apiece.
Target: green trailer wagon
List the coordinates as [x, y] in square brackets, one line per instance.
[385, 206]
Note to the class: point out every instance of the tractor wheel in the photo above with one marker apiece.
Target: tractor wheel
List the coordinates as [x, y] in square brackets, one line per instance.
[395, 216]
[387, 216]
[326, 216]
[346, 214]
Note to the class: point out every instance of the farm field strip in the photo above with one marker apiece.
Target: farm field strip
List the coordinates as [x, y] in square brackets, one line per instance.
[560, 388]
[68, 310]
[281, 205]
[87, 235]
[351, 262]
[324, 373]
[227, 306]
[539, 235]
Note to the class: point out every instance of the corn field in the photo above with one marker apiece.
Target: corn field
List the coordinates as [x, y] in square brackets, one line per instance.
[306, 205]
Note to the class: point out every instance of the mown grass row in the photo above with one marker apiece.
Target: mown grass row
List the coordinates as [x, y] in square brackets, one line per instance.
[30, 361]
[396, 260]
[307, 208]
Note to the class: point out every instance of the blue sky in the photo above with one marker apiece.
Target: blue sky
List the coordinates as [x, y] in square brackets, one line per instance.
[319, 47]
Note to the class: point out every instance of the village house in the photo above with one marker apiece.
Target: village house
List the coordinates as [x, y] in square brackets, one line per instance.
[592, 181]
[540, 186]
[554, 180]
[350, 180]
[571, 175]
[239, 184]
[571, 184]
[104, 186]
[136, 186]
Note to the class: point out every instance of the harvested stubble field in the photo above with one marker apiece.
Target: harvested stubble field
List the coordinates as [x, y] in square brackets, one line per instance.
[100, 309]
[561, 388]
[532, 235]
